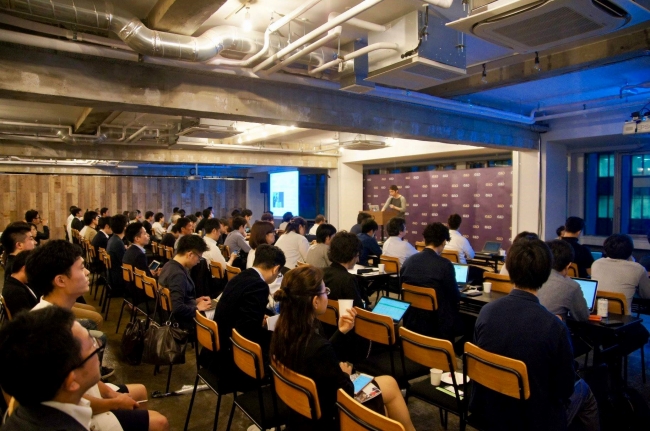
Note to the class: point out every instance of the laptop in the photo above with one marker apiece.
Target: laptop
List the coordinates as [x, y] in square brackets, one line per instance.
[461, 274]
[392, 308]
[373, 207]
[490, 249]
[589, 289]
[597, 254]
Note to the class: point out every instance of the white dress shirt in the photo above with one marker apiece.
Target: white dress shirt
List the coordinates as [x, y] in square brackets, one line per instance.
[313, 229]
[81, 412]
[397, 247]
[213, 254]
[294, 246]
[460, 244]
[68, 225]
[158, 230]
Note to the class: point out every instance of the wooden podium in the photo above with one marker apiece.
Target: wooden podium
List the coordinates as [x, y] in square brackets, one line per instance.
[382, 217]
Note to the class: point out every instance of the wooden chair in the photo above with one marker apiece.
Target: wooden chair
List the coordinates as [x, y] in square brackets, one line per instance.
[207, 334]
[150, 288]
[5, 314]
[296, 391]
[225, 252]
[12, 406]
[231, 272]
[138, 282]
[299, 264]
[451, 255]
[127, 276]
[354, 416]
[392, 267]
[500, 283]
[331, 315]
[169, 252]
[165, 303]
[162, 253]
[504, 375]
[424, 298]
[216, 270]
[573, 270]
[419, 245]
[106, 295]
[433, 353]
[154, 247]
[248, 358]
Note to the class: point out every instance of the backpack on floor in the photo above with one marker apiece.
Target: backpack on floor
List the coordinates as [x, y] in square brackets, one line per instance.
[133, 342]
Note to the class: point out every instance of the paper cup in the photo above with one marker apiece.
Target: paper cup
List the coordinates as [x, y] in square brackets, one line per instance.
[382, 268]
[271, 321]
[487, 287]
[345, 305]
[436, 375]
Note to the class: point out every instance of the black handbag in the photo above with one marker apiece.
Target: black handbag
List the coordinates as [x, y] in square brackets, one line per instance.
[165, 345]
[133, 342]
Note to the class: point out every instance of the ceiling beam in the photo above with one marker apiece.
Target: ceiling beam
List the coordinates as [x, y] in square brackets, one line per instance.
[90, 119]
[182, 16]
[111, 85]
[596, 54]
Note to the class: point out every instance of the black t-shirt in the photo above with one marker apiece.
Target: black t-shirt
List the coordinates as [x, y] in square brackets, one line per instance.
[582, 258]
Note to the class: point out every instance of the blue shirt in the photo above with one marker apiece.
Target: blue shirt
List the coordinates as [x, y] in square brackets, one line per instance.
[370, 247]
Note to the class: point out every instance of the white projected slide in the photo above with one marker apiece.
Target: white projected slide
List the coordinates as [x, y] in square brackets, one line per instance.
[283, 193]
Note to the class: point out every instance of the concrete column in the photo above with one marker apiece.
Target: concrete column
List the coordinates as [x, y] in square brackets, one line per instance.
[349, 188]
[525, 192]
[554, 193]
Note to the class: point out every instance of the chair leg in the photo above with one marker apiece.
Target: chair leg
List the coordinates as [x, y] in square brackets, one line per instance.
[216, 413]
[189, 411]
[169, 378]
[443, 418]
[119, 319]
[643, 363]
[107, 302]
[625, 371]
[232, 412]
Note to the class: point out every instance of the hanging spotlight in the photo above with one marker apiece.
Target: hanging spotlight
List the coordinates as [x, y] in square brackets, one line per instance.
[484, 79]
[248, 24]
[537, 67]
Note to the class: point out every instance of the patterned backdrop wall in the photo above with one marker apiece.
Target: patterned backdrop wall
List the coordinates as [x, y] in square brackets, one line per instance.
[482, 197]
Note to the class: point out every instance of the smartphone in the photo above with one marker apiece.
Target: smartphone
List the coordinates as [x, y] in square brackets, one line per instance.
[154, 265]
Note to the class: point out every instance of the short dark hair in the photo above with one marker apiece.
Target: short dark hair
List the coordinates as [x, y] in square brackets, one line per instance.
[320, 218]
[181, 212]
[133, 215]
[574, 224]
[618, 246]
[20, 260]
[198, 214]
[563, 253]
[454, 221]
[525, 235]
[206, 213]
[14, 233]
[559, 231]
[267, 217]
[118, 223]
[323, 231]
[158, 217]
[49, 260]
[259, 231]
[133, 231]
[193, 218]
[395, 226]
[103, 211]
[238, 222]
[30, 215]
[175, 228]
[435, 234]
[344, 247]
[529, 263]
[267, 256]
[369, 225]
[103, 221]
[175, 210]
[193, 243]
[74, 210]
[362, 216]
[182, 222]
[286, 217]
[393, 187]
[235, 213]
[148, 214]
[246, 213]
[211, 224]
[39, 344]
[89, 216]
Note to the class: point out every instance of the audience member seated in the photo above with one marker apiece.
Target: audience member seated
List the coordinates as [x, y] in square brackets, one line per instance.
[175, 276]
[519, 327]
[559, 232]
[293, 242]
[317, 254]
[370, 246]
[361, 218]
[572, 230]
[560, 294]
[428, 269]
[169, 239]
[213, 254]
[236, 240]
[185, 227]
[173, 221]
[134, 216]
[77, 221]
[262, 232]
[157, 228]
[148, 223]
[298, 345]
[344, 251]
[17, 295]
[458, 242]
[16, 238]
[32, 216]
[68, 223]
[396, 245]
[207, 214]
[116, 249]
[520, 235]
[225, 229]
[268, 217]
[104, 233]
[286, 218]
[104, 212]
[91, 218]
[320, 219]
[248, 215]
[618, 272]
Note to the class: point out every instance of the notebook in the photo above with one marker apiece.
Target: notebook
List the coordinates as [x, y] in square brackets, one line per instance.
[461, 274]
[589, 289]
[392, 308]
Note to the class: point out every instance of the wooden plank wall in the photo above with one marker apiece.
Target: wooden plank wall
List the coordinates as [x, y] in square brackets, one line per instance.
[52, 196]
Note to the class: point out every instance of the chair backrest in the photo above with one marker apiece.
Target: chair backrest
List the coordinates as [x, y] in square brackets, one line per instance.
[150, 286]
[5, 314]
[169, 252]
[154, 247]
[231, 272]
[297, 391]
[500, 283]
[375, 327]
[138, 277]
[127, 272]
[247, 355]
[298, 264]
[354, 416]
[107, 261]
[391, 264]
[12, 406]
[216, 270]
[451, 255]
[504, 375]
[616, 301]
[572, 271]
[225, 252]
[161, 250]
[207, 332]
[419, 245]
[331, 315]
[428, 351]
[165, 299]
[424, 298]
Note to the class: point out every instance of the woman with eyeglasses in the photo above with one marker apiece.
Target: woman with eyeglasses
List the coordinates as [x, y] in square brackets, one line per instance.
[298, 345]
[293, 242]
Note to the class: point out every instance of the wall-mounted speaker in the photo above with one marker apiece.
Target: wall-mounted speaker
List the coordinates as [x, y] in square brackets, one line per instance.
[264, 188]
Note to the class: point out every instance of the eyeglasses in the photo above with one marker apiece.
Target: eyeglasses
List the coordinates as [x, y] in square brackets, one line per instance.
[327, 291]
[99, 348]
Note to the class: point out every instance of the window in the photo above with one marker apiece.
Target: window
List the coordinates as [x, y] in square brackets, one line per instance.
[635, 194]
[599, 196]
[313, 188]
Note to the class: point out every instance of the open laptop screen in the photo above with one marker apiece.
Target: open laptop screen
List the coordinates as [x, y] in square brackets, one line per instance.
[461, 273]
[589, 289]
[491, 247]
[597, 254]
[391, 307]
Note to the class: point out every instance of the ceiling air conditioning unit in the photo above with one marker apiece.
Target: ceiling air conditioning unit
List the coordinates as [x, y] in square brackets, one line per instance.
[534, 25]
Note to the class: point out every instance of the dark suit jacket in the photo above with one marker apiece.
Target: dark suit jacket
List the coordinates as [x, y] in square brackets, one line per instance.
[42, 235]
[176, 278]
[100, 241]
[9, 263]
[115, 248]
[370, 247]
[135, 257]
[77, 224]
[41, 418]
[147, 227]
[168, 240]
[342, 284]
[17, 296]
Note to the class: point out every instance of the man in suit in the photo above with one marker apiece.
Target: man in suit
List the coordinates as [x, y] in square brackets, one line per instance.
[18, 296]
[135, 256]
[104, 233]
[116, 249]
[148, 220]
[16, 238]
[344, 251]
[71, 369]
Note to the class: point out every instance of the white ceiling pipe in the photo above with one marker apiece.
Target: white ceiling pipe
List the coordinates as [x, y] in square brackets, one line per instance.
[445, 4]
[260, 148]
[355, 54]
[331, 35]
[351, 13]
[585, 111]
[359, 23]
